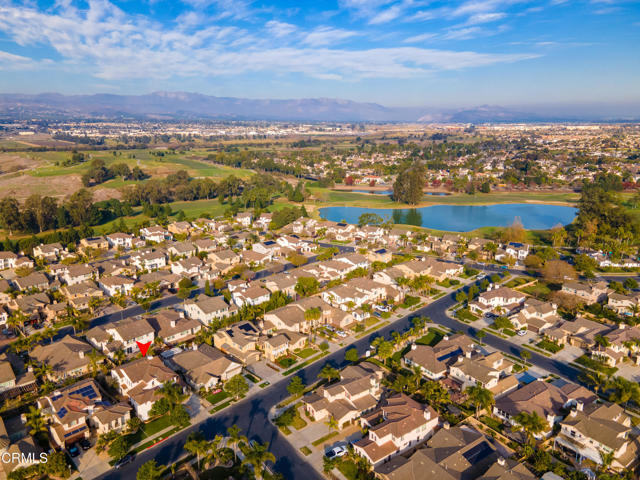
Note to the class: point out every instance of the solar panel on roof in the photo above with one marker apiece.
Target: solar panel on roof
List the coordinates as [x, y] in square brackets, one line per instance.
[478, 452]
[62, 412]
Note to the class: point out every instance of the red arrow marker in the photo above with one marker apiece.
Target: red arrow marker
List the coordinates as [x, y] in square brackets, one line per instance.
[144, 347]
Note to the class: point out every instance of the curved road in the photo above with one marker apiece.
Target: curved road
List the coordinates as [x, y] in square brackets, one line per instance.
[251, 414]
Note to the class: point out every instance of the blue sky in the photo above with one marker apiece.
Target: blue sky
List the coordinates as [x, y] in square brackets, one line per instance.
[394, 52]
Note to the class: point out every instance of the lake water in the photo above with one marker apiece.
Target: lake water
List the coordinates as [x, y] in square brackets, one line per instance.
[462, 218]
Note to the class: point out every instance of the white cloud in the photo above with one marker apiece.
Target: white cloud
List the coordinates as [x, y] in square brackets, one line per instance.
[327, 36]
[419, 38]
[104, 42]
[478, 18]
[280, 29]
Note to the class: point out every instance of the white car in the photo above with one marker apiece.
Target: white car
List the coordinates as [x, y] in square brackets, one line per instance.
[383, 308]
[336, 452]
[522, 333]
[341, 334]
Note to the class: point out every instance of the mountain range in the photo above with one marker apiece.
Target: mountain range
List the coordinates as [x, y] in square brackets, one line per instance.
[196, 106]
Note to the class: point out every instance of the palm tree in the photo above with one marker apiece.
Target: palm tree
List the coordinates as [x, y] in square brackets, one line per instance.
[36, 420]
[94, 360]
[43, 370]
[435, 394]
[480, 397]
[596, 380]
[332, 423]
[216, 454]
[119, 357]
[624, 390]
[532, 423]
[329, 373]
[49, 333]
[16, 321]
[172, 392]
[606, 459]
[235, 437]
[197, 445]
[258, 456]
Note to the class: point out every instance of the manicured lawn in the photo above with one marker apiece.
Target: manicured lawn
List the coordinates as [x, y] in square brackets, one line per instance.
[306, 353]
[550, 346]
[539, 290]
[410, 301]
[593, 364]
[430, 338]
[286, 362]
[217, 408]
[305, 450]
[156, 425]
[251, 378]
[324, 438]
[371, 321]
[217, 397]
[465, 314]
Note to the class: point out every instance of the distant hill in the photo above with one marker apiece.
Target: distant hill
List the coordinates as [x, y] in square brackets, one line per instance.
[195, 106]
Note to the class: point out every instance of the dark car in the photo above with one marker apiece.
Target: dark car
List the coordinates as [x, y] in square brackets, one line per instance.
[85, 444]
[126, 459]
[73, 450]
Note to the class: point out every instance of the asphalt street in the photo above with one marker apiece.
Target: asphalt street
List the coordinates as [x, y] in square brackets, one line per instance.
[251, 414]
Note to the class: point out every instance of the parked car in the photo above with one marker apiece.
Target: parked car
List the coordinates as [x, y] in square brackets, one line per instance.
[73, 450]
[341, 334]
[522, 333]
[336, 452]
[124, 460]
[85, 444]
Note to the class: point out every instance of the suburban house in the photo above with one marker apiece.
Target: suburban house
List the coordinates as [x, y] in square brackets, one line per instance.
[590, 430]
[491, 372]
[204, 366]
[155, 234]
[357, 392]
[281, 343]
[49, 252]
[111, 418]
[7, 260]
[580, 332]
[68, 357]
[457, 453]
[624, 304]
[33, 281]
[398, 424]
[502, 300]
[207, 309]
[122, 335]
[546, 399]
[148, 260]
[621, 342]
[239, 340]
[536, 316]
[139, 380]
[69, 408]
[116, 285]
[432, 365]
[78, 274]
[225, 257]
[172, 327]
[589, 293]
[254, 295]
[123, 240]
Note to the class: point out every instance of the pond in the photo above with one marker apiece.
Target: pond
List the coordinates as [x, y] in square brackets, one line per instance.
[462, 218]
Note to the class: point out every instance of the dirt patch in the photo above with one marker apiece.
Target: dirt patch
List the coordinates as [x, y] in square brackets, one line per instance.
[100, 194]
[10, 163]
[21, 186]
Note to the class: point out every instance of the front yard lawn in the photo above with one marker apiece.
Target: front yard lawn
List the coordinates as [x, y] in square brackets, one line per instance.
[550, 346]
[410, 301]
[214, 398]
[465, 314]
[430, 338]
[286, 362]
[306, 352]
[594, 364]
[371, 321]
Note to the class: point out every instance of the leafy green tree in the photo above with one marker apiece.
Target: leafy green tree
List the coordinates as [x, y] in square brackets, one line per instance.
[149, 470]
[257, 456]
[329, 373]
[351, 355]
[481, 398]
[307, 286]
[296, 386]
[179, 415]
[409, 184]
[235, 438]
[119, 447]
[236, 386]
[532, 423]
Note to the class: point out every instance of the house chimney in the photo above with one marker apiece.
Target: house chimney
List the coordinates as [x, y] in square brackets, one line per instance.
[173, 324]
[181, 313]
[413, 346]
[579, 406]
[501, 461]
[573, 413]
[446, 425]
[446, 337]
[81, 354]
[195, 346]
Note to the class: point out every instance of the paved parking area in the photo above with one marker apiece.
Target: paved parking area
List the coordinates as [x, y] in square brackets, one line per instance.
[90, 464]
